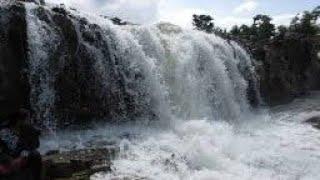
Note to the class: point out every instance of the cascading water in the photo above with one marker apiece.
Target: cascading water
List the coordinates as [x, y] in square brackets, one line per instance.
[193, 84]
[200, 73]
[134, 73]
[41, 75]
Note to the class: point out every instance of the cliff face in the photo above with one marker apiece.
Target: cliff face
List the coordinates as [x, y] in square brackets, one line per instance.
[14, 89]
[287, 68]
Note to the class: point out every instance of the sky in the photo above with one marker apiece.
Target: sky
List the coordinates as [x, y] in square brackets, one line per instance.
[225, 12]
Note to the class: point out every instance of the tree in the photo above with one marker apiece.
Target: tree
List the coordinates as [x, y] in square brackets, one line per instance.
[262, 27]
[235, 30]
[245, 31]
[282, 30]
[203, 23]
[261, 19]
[307, 23]
[316, 13]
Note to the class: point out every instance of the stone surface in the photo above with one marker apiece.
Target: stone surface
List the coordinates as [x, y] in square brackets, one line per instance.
[14, 85]
[78, 164]
[314, 121]
[287, 68]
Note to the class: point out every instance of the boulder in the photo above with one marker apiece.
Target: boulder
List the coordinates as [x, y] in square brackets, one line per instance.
[314, 121]
[78, 164]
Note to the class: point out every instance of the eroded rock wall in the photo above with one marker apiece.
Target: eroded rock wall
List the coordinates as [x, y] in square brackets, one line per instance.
[14, 85]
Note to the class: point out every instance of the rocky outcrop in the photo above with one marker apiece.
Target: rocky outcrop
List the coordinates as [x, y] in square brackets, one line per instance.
[14, 85]
[71, 165]
[79, 164]
[287, 68]
[314, 121]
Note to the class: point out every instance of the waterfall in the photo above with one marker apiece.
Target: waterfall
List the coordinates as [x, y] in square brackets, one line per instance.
[142, 73]
[41, 78]
[200, 72]
[177, 102]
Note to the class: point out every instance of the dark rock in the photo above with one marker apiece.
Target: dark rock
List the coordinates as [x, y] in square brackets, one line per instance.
[29, 137]
[78, 164]
[83, 21]
[14, 85]
[287, 67]
[43, 15]
[52, 152]
[60, 10]
[314, 121]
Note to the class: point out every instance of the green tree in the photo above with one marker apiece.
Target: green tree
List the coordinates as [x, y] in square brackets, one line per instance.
[245, 31]
[235, 30]
[262, 27]
[281, 32]
[307, 23]
[203, 23]
[316, 13]
[220, 32]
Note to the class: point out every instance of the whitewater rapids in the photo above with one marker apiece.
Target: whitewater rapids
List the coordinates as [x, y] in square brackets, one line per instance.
[275, 145]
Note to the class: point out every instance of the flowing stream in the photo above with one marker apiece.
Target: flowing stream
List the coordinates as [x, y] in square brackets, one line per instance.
[182, 97]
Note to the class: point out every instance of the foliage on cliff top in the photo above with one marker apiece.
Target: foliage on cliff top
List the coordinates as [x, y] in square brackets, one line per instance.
[262, 28]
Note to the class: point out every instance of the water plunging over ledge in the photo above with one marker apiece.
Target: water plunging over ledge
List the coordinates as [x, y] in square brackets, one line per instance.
[139, 73]
[181, 95]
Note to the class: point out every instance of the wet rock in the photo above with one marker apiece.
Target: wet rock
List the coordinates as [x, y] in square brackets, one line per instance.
[60, 10]
[287, 68]
[79, 164]
[14, 85]
[314, 121]
[52, 152]
[83, 21]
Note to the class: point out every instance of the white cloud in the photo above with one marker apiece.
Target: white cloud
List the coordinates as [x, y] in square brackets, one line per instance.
[283, 19]
[229, 21]
[181, 16]
[246, 6]
[137, 11]
[153, 11]
[142, 11]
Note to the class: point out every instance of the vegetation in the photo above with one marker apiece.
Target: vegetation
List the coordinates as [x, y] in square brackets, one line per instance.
[307, 23]
[303, 25]
[203, 23]
[262, 27]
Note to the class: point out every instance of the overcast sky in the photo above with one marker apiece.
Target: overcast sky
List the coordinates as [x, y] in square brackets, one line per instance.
[225, 12]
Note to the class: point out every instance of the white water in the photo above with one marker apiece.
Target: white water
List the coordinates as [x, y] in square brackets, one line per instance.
[277, 147]
[196, 84]
[41, 78]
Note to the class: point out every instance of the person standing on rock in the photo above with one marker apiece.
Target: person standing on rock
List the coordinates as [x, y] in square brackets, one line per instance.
[18, 148]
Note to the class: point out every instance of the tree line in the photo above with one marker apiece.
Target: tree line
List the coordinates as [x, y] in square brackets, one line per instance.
[262, 28]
